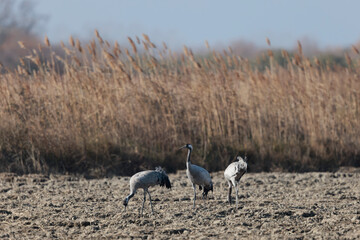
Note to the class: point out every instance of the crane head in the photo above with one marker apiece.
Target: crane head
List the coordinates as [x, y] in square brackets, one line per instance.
[188, 146]
[126, 200]
[240, 158]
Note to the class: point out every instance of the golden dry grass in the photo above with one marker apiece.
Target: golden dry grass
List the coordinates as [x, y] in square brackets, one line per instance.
[104, 109]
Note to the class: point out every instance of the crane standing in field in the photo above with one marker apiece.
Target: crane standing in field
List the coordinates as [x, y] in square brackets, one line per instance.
[233, 174]
[197, 175]
[144, 180]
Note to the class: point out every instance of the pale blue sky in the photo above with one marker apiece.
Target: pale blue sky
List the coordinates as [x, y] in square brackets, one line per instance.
[191, 22]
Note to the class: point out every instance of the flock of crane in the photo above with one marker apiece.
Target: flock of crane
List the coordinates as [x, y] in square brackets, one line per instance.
[196, 174]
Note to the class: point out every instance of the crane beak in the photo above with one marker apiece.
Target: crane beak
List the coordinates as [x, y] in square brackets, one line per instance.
[182, 147]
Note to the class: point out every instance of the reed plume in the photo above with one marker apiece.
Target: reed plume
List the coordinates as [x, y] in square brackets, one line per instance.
[110, 110]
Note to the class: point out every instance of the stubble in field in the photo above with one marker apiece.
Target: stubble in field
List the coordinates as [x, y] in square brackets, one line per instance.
[272, 205]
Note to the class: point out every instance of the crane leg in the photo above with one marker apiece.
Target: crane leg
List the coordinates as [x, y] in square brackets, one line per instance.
[229, 195]
[194, 187]
[142, 209]
[237, 197]
[152, 210]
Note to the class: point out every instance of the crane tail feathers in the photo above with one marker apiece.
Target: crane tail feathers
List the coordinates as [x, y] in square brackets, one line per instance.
[164, 179]
[167, 182]
[207, 189]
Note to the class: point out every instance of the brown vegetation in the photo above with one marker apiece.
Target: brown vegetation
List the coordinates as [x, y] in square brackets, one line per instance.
[102, 109]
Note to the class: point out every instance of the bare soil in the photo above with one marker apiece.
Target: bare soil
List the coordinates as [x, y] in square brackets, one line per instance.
[272, 206]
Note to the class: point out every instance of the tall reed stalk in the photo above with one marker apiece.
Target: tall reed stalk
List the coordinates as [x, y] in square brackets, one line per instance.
[111, 111]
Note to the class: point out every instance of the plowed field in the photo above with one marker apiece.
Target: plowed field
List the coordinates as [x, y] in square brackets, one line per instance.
[272, 206]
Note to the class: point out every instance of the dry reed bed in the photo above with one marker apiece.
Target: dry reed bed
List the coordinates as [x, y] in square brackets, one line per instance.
[104, 109]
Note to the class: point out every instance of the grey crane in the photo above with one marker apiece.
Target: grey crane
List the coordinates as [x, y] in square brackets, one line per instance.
[233, 174]
[144, 180]
[197, 175]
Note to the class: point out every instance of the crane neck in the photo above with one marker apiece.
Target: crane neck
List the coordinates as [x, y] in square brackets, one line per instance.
[188, 157]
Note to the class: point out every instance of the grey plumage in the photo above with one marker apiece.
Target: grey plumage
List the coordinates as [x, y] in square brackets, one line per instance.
[197, 175]
[144, 180]
[233, 174]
